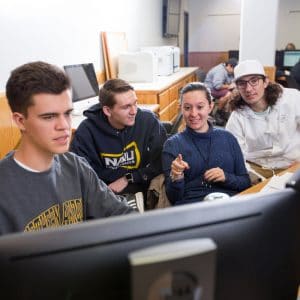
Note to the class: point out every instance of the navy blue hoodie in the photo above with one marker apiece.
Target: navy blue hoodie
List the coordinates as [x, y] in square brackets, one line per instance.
[112, 153]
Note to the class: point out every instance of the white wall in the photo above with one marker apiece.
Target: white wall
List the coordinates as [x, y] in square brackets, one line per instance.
[288, 23]
[256, 19]
[68, 32]
[215, 24]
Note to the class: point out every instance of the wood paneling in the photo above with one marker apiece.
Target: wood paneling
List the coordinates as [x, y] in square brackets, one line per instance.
[146, 98]
[164, 99]
[164, 114]
[9, 132]
[100, 76]
[174, 108]
[206, 60]
[270, 72]
[167, 96]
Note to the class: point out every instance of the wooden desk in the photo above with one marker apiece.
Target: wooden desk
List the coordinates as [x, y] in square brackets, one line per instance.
[152, 107]
[76, 120]
[257, 188]
[165, 91]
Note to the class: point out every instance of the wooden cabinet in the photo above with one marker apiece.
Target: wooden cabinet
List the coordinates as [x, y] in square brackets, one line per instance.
[165, 92]
[9, 132]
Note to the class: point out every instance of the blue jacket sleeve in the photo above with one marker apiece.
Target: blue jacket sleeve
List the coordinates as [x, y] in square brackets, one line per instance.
[174, 190]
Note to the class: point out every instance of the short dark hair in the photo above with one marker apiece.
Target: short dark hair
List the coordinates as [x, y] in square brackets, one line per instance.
[110, 89]
[196, 86]
[31, 79]
[232, 61]
[272, 93]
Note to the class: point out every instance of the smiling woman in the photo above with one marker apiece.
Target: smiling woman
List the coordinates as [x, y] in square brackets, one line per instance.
[201, 159]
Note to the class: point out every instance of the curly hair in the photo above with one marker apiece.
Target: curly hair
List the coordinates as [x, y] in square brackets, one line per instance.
[272, 93]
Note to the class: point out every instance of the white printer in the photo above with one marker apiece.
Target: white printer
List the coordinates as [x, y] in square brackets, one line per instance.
[147, 64]
[137, 66]
[164, 57]
[176, 59]
[168, 58]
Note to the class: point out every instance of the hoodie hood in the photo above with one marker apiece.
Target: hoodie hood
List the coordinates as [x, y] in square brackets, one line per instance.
[98, 118]
[112, 153]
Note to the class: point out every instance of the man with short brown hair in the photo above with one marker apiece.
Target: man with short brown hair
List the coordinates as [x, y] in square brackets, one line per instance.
[42, 185]
[120, 141]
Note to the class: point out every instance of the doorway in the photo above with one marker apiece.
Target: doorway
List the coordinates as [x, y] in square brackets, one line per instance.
[186, 38]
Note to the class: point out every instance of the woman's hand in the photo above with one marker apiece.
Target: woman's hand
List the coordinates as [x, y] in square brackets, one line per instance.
[214, 175]
[177, 168]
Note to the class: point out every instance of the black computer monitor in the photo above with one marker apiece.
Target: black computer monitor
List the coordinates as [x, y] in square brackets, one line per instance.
[85, 88]
[257, 238]
[279, 59]
[290, 58]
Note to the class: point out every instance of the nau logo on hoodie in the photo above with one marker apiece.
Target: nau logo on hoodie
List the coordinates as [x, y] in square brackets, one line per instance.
[130, 158]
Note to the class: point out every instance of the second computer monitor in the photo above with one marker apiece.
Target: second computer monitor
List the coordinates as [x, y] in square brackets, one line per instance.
[290, 58]
[85, 89]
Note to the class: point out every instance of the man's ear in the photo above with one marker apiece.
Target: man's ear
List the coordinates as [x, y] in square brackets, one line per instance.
[106, 111]
[266, 82]
[19, 119]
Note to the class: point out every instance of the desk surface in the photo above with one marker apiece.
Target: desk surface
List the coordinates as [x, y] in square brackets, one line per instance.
[257, 188]
[163, 82]
[76, 120]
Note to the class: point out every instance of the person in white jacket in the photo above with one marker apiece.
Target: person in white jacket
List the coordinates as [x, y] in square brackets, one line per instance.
[265, 120]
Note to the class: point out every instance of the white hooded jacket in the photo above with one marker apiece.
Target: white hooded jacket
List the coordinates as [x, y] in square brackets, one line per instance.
[271, 140]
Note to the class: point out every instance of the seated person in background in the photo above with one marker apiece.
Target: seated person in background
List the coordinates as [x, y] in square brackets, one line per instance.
[220, 81]
[201, 159]
[265, 120]
[42, 185]
[219, 78]
[121, 142]
[290, 47]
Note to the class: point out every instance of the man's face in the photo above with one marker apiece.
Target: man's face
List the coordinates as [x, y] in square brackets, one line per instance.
[47, 127]
[252, 89]
[124, 111]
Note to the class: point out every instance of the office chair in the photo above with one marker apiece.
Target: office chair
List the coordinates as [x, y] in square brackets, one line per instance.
[292, 83]
[172, 128]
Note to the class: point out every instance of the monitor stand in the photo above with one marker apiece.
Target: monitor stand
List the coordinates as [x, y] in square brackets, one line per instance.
[176, 270]
[77, 112]
[80, 106]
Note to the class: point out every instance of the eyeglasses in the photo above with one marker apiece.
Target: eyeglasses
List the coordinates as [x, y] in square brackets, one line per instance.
[242, 84]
